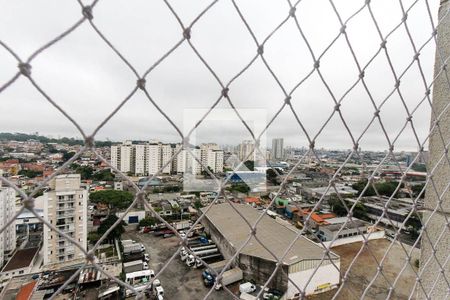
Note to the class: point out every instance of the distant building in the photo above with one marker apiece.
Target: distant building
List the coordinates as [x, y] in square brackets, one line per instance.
[65, 206]
[7, 210]
[245, 150]
[277, 148]
[148, 158]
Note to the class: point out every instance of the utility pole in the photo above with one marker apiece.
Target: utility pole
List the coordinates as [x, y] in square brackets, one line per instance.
[435, 244]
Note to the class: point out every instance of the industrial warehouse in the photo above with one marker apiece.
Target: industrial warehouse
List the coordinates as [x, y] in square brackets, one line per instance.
[230, 231]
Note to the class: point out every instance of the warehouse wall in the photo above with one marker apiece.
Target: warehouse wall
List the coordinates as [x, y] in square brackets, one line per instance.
[326, 278]
[260, 270]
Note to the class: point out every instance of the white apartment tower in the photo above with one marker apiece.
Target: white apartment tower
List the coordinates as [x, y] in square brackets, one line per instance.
[245, 150]
[149, 158]
[166, 155]
[122, 157]
[153, 158]
[140, 157]
[277, 148]
[7, 210]
[65, 206]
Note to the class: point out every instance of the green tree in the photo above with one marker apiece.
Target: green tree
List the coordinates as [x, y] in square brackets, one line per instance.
[147, 222]
[85, 172]
[198, 204]
[114, 199]
[206, 174]
[67, 155]
[108, 223]
[93, 237]
[239, 187]
[359, 211]
[250, 164]
[417, 189]
[103, 175]
[337, 207]
[30, 173]
[386, 188]
[419, 167]
[272, 176]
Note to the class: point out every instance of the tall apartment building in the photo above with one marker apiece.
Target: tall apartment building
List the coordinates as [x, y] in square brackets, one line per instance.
[277, 148]
[245, 148]
[140, 157]
[65, 206]
[148, 159]
[166, 156]
[122, 157]
[7, 210]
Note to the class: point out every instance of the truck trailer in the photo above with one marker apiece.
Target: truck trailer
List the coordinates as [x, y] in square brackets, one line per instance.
[132, 266]
[229, 277]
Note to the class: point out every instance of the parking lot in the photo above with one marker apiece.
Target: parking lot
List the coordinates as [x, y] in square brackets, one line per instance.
[178, 280]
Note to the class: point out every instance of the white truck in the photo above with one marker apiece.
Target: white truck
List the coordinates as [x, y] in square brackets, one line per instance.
[247, 287]
[132, 266]
[190, 260]
[182, 225]
[132, 248]
[230, 277]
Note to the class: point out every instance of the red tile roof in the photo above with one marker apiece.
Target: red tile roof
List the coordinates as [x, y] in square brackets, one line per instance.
[26, 291]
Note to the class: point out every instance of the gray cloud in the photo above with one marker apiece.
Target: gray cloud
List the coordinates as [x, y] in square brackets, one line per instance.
[88, 80]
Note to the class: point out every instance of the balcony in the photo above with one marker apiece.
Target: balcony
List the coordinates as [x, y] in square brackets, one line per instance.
[65, 215]
[65, 207]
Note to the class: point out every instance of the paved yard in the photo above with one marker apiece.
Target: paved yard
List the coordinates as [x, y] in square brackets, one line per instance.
[178, 281]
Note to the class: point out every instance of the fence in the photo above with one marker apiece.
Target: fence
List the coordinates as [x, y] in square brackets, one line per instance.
[432, 277]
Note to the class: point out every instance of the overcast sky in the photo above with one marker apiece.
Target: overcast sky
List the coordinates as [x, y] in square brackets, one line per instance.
[88, 80]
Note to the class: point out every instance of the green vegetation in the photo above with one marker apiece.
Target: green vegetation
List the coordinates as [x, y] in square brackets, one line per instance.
[107, 224]
[93, 237]
[84, 171]
[419, 167]
[64, 140]
[87, 172]
[272, 176]
[114, 199]
[147, 222]
[198, 204]
[67, 155]
[339, 209]
[166, 189]
[386, 188]
[103, 175]
[30, 173]
[239, 187]
[417, 189]
[250, 164]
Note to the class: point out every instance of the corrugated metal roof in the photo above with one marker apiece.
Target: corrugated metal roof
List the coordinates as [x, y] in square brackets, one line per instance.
[274, 236]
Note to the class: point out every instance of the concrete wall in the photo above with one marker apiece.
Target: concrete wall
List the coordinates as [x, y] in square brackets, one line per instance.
[260, 270]
[326, 276]
[435, 285]
[357, 238]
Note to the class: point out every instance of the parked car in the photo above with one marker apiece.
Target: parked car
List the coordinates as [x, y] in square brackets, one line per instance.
[247, 287]
[146, 257]
[145, 265]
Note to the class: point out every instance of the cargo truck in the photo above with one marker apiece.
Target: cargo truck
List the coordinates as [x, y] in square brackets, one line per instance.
[132, 248]
[132, 266]
[213, 269]
[229, 277]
